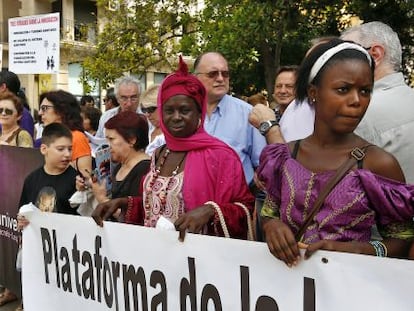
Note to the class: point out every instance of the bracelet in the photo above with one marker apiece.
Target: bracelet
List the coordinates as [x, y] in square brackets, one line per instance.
[380, 248]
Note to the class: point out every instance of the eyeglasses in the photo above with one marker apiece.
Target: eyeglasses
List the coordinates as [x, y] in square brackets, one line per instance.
[215, 73]
[132, 99]
[148, 109]
[44, 108]
[7, 111]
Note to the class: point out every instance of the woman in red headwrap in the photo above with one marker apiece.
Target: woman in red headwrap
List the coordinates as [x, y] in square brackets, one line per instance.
[196, 181]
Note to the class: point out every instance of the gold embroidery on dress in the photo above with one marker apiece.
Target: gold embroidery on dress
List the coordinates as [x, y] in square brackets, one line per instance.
[307, 195]
[335, 213]
[334, 236]
[291, 199]
[342, 210]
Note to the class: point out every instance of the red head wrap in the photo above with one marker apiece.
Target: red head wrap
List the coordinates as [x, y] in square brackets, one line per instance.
[182, 82]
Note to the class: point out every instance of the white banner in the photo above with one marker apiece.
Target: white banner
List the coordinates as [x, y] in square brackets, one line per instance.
[69, 263]
[34, 44]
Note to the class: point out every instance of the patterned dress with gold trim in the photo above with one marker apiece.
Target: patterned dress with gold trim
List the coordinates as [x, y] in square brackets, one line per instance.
[359, 201]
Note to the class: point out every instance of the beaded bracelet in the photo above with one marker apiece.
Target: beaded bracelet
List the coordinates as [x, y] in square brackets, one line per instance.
[380, 248]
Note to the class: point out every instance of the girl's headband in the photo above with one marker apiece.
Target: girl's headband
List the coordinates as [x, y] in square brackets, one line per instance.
[321, 61]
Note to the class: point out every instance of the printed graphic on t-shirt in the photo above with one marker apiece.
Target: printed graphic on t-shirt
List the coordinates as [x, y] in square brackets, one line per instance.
[46, 199]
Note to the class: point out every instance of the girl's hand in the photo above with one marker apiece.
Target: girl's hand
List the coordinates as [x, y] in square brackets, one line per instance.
[281, 241]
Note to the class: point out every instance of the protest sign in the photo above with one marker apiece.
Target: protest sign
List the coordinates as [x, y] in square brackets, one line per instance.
[71, 263]
[34, 44]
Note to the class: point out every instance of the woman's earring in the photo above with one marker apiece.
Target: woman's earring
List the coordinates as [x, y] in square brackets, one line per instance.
[199, 123]
[313, 100]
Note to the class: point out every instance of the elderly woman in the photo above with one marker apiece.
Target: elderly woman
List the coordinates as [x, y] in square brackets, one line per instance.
[127, 135]
[11, 133]
[195, 180]
[338, 78]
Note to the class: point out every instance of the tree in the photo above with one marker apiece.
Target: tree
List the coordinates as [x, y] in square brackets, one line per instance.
[258, 36]
[255, 36]
[136, 36]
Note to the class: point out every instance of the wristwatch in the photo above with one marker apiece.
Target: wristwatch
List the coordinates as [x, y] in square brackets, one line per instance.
[265, 126]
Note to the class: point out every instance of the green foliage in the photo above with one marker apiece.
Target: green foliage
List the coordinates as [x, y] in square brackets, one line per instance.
[255, 36]
[137, 36]
[259, 36]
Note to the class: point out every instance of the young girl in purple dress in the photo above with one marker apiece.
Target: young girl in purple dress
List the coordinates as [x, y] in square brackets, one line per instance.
[337, 77]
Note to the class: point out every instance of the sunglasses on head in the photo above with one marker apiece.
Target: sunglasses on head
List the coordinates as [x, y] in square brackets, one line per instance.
[7, 111]
[215, 73]
[148, 109]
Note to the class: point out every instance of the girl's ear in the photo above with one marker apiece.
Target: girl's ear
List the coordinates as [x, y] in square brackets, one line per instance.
[312, 93]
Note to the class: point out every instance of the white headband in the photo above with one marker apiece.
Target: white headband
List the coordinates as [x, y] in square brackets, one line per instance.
[321, 61]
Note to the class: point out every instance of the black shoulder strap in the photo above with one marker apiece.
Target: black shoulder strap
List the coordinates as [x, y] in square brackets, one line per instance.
[295, 149]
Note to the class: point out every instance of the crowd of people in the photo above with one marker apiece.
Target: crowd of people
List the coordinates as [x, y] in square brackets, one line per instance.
[326, 168]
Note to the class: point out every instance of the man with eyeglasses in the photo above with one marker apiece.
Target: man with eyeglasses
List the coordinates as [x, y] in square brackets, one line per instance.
[227, 116]
[127, 92]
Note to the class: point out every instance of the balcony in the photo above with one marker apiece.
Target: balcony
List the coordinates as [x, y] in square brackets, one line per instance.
[78, 31]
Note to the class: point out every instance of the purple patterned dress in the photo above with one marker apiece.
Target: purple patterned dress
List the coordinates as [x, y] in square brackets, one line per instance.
[359, 201]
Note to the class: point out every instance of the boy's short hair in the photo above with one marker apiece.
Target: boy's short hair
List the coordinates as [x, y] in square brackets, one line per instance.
[55, 131]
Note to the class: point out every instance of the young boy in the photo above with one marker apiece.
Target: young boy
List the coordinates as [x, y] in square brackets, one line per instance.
[49, 187]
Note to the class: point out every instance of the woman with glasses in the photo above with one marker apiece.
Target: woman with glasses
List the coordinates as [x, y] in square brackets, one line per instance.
[62, 107]
[195, 180]
[149, 109]
[11, 133]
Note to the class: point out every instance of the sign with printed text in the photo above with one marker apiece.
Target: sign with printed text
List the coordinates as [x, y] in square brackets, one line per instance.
[72, 264]
[34, 44]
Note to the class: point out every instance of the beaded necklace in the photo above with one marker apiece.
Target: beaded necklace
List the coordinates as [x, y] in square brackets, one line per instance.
[163, 194]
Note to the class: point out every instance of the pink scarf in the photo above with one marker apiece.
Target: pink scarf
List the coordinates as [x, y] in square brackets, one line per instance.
[200, 175]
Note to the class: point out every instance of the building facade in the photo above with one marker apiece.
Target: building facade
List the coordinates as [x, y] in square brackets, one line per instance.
[79, 24]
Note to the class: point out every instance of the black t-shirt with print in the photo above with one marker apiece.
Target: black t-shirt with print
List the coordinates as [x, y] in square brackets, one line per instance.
[50, 192]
